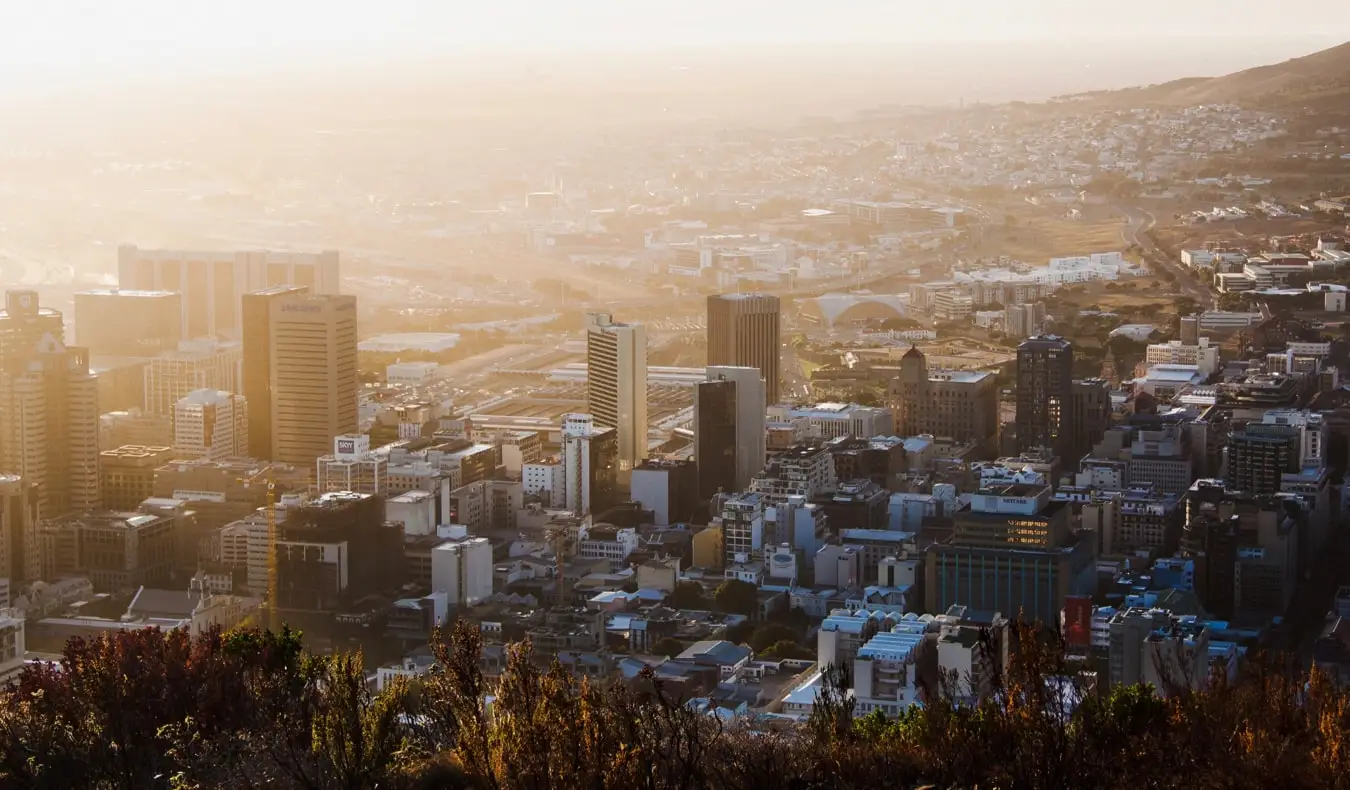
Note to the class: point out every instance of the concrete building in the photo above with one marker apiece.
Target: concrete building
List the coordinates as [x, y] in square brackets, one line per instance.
[312, 368]
[118, 552]
[742, 522]
[49, 423]
[12, 645]
[19, 560]
[952, 404]
[805, 471]
[1260, 455]
[546, 480]
[1155, 647]
[213, 284]
[1044, 393]
[102, 322]
[352, 467]
[24, 322]
[462, 568]
[1201, 354]
[668, 488]
[194, 365]
[210, 424]
[590, 465]
[743, 331]
[832, 420]
[220, 492]
[256, 386]
[616, 384]
[1089, 417]
[729, 432]
[127, 475]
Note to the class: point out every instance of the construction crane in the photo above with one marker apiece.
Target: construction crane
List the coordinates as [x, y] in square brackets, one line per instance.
[271, 621]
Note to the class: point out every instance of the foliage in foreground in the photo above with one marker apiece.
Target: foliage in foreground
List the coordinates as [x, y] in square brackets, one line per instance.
[247, 709]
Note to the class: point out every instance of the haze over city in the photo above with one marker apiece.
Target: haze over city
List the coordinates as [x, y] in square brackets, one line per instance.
[674, 395]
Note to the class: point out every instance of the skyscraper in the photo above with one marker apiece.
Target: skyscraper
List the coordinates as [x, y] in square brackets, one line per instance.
[312, 369]
[729, 436]
[590, 465]
[1044, 393]
[49, 425]
[957, 404]
[257, 366]
[213, 283]
[616, 383]
[1089, 417]
[743, 331]
[198, 364]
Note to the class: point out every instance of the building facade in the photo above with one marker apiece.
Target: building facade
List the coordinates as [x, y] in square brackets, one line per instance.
[744, 331]
[313, 372]
[616, 383]
[210, 424]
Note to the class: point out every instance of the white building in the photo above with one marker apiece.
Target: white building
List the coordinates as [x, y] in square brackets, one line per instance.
[1312, 429]
[1203, 356]
[352, 467]
[831, 420]
[411, 374]
[616, 383]
[609, 543]
[462, 569]
[211, 424]
[580, 432]
[547, 480]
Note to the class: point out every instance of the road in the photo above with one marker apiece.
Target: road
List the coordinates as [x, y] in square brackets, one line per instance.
[1139, 224]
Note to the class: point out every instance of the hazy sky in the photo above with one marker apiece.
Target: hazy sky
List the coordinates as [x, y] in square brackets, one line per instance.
[64, 37]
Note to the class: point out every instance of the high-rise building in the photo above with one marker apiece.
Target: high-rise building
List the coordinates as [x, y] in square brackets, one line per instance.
[128, 323]
[312, 368]
[18, 530]
[952, 404]
[257, 364]
[1260, 455]
[1044, 393]
[616, 383]
[729, 438]
[335, 550]
[590, 465]
[127, 475]
[49, 422]
[210, 424]
[212, 283]
[24, 322]
[1089, 417]
[194, 365]
[743, 331]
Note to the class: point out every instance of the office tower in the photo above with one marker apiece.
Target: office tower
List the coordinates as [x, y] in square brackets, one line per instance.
[352, 467]
[134, 426]
[312, 367]
[24, 322]
[952, 404]
[668, 488]
[336, 550]
[194, 365]
[1044, 390]
[49, 422]
[18, 530]
[1260, 455]
[616, 383]
[210, 424]
[729, 438]
[1089, 417]
[590, 465]
[127, 475]
[118, 552]
[212, 284]
[257, 365]
[128, 323]
[743, 332]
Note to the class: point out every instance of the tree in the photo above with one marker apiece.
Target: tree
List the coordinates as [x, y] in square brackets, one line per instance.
[770, 634]
[737, 597]
[786, 648]
[668, 646]
[740, 633]
[688, 595]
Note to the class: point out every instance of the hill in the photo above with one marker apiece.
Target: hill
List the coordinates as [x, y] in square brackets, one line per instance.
[1318, 81]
